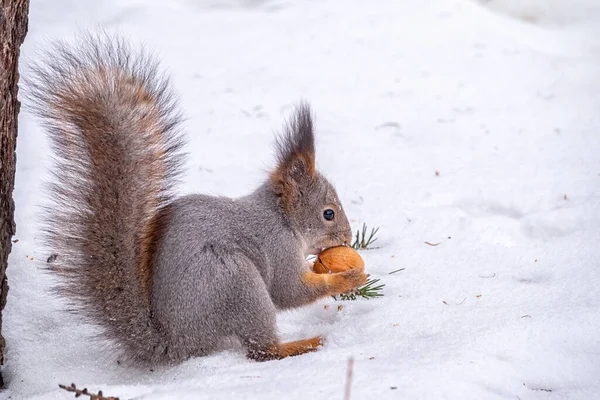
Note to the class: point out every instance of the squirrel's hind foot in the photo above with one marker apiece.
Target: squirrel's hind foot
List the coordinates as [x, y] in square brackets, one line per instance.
[283, 350]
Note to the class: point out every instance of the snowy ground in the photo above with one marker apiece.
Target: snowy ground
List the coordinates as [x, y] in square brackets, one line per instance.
[501, 98]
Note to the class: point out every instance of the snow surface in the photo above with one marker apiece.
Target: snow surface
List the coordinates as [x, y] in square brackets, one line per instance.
[502, 98]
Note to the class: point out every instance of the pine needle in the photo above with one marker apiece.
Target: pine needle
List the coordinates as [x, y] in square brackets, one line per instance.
[367, 291]
[361, 241]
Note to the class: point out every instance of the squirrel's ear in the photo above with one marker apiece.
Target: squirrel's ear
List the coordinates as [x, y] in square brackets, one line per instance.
[295, 156]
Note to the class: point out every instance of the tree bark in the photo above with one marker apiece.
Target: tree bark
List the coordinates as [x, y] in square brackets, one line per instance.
[13, 28]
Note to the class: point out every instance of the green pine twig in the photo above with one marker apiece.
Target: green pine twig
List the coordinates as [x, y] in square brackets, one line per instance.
[361, 241]
[367, 291]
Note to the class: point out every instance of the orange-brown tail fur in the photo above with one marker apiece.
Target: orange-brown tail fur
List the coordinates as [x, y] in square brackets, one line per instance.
[112, 123]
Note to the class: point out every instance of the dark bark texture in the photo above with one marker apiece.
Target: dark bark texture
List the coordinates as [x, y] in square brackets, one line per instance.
[13, 28]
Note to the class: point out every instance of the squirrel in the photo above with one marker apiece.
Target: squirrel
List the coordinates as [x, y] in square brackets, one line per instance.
[168, 278]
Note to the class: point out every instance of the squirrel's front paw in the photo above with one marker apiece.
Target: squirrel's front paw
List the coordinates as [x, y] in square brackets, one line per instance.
[336, 283]
[342, 282]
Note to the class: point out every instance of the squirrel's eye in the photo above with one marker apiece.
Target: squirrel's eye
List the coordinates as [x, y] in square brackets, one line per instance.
[328, 214]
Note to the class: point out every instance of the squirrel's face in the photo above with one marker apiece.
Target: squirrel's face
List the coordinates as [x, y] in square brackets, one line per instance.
[309, 201]
[320, 217]
[313, 208]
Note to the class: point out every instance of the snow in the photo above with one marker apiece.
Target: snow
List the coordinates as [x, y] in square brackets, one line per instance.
[500, 97]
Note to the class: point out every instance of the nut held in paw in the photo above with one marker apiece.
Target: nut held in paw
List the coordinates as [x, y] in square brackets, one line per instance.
[338, 259]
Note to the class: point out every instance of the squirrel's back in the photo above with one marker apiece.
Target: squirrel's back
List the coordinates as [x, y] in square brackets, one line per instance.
[113, 127]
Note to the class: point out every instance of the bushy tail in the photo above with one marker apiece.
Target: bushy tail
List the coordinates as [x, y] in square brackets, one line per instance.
[113, 126]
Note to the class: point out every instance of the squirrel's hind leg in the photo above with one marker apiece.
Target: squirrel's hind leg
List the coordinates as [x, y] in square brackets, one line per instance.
[259, 334]
[255, 320]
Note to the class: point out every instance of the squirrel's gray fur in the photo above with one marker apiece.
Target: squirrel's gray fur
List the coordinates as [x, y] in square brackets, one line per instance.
[171, 278]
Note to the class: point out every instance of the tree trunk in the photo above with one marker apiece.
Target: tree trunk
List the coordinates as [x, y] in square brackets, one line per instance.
[13, 27]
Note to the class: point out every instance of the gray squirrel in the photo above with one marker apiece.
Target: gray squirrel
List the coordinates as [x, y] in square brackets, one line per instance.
[172, 278]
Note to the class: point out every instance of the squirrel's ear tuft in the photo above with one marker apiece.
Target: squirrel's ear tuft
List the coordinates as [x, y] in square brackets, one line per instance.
[295, 156]
[297, 140]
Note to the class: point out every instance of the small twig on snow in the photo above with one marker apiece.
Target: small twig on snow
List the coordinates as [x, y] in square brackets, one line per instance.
[84, 392]
[538, 389]
[458, 304]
